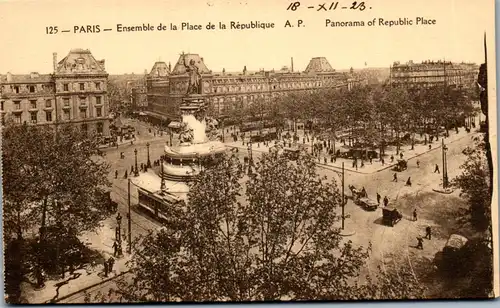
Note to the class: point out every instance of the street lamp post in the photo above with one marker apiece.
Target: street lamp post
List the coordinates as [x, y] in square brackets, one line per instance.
[136, 171]
[149, 161]
[343, 197]
[162, 186]
[129, 221]
[445, 171]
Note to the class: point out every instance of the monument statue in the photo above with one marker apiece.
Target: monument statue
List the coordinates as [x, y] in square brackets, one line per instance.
[194, 86]
[186, 134]
[211, 128]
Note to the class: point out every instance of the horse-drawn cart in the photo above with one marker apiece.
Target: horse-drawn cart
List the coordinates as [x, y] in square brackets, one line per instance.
[357, 194]
[367, 204]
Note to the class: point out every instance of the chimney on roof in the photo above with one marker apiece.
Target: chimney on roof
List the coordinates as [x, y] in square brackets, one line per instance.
[223, 71]
[292, 65]
[9, 77]
[244, 70]
[169, 67]
[54, 61]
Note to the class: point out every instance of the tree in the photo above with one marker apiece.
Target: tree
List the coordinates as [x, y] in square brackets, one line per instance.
[55, 183]
[474, 184]
[282, 243]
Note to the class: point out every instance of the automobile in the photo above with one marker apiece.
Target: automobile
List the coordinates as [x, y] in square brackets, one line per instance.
[368, 204]
[401, 165]
[390, 216]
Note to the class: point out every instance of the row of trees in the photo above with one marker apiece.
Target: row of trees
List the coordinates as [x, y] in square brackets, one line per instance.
[53, 189]
[278, 241]
[367, 113]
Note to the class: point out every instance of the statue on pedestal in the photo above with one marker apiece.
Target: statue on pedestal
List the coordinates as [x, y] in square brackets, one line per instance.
[194, 86]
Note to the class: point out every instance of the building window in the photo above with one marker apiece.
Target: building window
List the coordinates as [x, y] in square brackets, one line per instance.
[33, 104]
[32, 89]
[66, 102]
[48, 116]
[17, 105]
[17, 119]
[98, 85]
[83, 102]
[98, 100]
[66, 115]
[83, 114]
[82, 86]
[33, 117]
[66, 87]
[100, 128]
[16, 89]
[48, 103]
[98, 111]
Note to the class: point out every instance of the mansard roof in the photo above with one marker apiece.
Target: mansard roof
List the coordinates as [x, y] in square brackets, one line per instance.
[160, 69]
[180, 69]
[80, 61]
[319, 65]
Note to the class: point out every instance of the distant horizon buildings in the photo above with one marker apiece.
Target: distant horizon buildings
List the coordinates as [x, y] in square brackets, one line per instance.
[75, 92]
[225, 91]
[434, 73]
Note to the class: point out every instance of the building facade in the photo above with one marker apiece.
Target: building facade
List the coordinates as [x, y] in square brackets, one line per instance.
[434, 73]
[76, 93]
[225, 91]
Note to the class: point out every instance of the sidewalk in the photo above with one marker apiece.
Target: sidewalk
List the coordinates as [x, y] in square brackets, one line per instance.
[101, 241]
[375, 166]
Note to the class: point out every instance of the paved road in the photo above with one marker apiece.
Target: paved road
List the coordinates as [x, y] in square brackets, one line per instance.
[385, 240]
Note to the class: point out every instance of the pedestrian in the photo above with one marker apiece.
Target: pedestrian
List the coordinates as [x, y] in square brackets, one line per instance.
[386, 201]
[395, 177]
[111, 263]
[418, 163]
[430, 147]
[125, 175]
[378, 198]
[131, 168]
[408, 182]
[428, 232]
[401, 155]
[331, 159]
[326, 161]
[115, 248]
[415, 215]
[362, 163]
[392, 158]
[116, 174]
[436, 169]
[371, 160]
[334, 158]
[420, 244]
[382, 160]
[106, 269]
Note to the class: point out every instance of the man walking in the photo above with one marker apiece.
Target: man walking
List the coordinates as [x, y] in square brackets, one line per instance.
[415, 215]
[378, 198]
[395, 177]
[418, 163]
[420, 244]
[386, 201]
[428, 232]
[436, 169]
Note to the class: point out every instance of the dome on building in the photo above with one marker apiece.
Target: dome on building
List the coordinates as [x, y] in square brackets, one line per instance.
[319, 65]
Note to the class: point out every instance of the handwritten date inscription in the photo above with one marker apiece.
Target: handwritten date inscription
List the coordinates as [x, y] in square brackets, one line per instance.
[359, 6]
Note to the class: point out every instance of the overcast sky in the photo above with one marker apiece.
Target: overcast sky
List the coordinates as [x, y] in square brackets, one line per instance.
[457, 35]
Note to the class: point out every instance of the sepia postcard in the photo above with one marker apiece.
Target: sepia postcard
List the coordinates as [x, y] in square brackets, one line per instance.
[248, 151]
